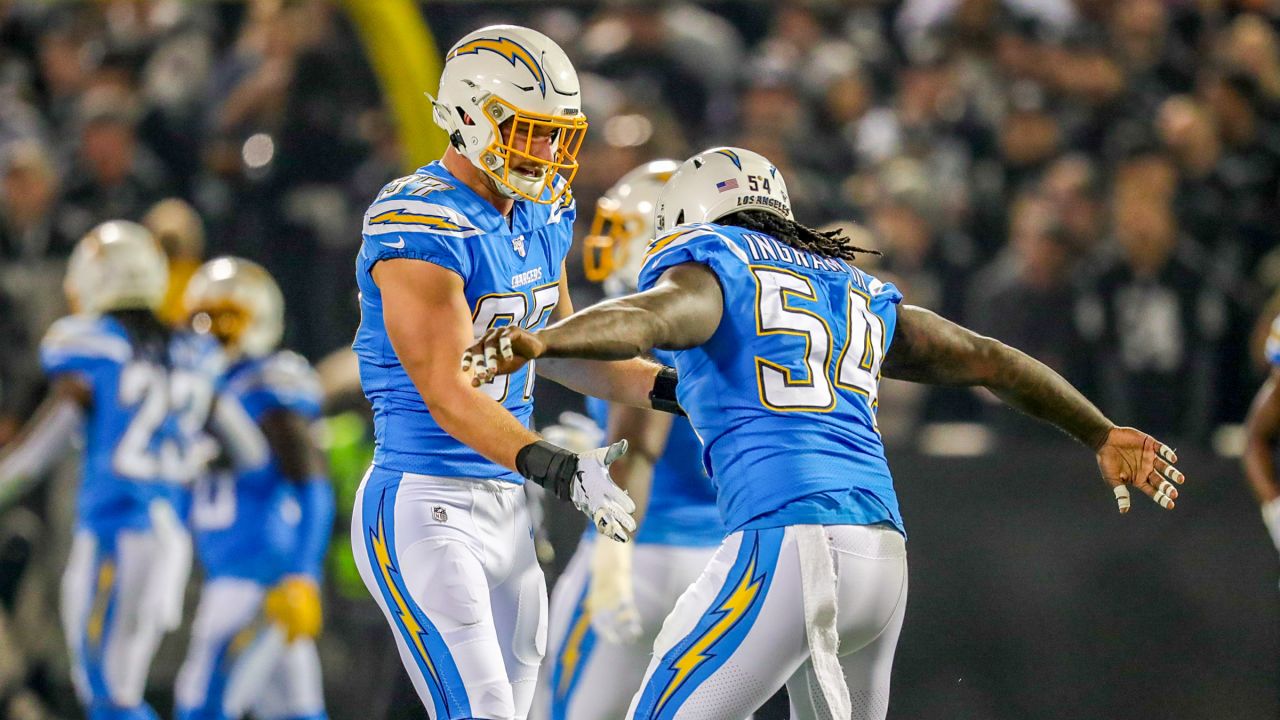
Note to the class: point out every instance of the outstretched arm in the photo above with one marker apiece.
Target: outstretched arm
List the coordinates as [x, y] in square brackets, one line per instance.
[930, 349]
[624, 380]
[40, 443]
[681, 311]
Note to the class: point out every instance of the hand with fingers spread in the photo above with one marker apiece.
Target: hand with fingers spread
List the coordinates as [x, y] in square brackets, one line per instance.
[500, 351]
[1131, 457]
[583, 479]
[594, 493]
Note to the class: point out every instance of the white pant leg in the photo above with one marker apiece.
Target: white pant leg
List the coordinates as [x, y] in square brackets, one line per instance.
[117, 606]
[227, 619]
[79, 595]
[294, 688]
[862, 559]
[739, 633]
[519, 599]
[590, 678]
[434, 552]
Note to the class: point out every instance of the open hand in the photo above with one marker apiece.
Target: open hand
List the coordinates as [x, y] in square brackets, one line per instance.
[500, 351]
[1132, 457]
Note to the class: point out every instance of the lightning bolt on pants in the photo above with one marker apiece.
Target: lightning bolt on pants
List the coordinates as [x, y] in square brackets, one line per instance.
[586, 677]
[451, 562]
[739, 633]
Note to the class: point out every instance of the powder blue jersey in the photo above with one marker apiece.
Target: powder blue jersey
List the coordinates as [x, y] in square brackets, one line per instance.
[146, 420]
[682, 500]
[510, 268]
[247, 519]
[783, 395]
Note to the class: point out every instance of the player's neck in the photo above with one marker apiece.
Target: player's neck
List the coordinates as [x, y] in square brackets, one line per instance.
[471, 176]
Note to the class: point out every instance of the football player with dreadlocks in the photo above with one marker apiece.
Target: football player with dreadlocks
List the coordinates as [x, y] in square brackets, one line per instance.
[780, 342]
[608, 605]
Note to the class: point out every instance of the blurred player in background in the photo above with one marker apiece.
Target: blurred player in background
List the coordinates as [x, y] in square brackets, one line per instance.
[263, 523]
[607, 607]
[441, 529]
[780, 343]
[141, 394]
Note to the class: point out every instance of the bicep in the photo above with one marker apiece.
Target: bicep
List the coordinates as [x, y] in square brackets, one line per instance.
[425, 312]
[928, 348]
[689, 301]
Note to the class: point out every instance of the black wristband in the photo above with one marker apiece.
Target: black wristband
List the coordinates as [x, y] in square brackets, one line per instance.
[663, 395]
[550, 466]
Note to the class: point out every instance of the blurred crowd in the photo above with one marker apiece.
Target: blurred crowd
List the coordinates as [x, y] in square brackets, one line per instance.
[1093, 181]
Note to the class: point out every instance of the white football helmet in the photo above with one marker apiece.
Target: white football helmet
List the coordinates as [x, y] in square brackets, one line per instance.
[623, 224]
[238, 302]
[720, 181]
[510, 74]
[118, 265]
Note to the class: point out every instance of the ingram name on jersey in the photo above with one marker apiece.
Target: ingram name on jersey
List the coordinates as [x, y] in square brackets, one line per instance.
[682, 499]
[784, 393]
[247, 520]
[147, 418]
[510, 272]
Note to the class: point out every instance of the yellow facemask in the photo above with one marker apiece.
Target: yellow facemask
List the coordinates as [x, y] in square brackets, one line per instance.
[227, 321]
[608, 243]
[517, 143]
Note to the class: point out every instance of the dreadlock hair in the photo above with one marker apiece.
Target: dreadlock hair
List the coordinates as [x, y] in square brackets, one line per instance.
[832, 243]
[148, 335]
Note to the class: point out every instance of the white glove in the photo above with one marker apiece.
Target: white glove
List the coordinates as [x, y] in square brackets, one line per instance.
[593, 492]
[611, 598]
[575, 432]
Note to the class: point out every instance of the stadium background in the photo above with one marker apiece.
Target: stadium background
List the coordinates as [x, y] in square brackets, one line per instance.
[1093, 181]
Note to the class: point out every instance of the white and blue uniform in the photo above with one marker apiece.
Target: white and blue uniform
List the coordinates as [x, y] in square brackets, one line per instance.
[441, 535]
[131, 555]
[809, 587]
[590, 678]
[254, 525]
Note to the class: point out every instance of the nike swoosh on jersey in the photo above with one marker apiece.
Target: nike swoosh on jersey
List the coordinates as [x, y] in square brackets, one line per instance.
[398, 244]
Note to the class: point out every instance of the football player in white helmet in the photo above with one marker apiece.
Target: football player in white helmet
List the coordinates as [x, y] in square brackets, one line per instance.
[607, 607]
[477, 239]
[781, 341]
[262, 524]
[140, 394]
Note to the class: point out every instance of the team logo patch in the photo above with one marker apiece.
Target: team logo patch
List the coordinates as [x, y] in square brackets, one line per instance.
[439, 514]
[517, 244]
[727, 185]
[404, 217]
[733, 156]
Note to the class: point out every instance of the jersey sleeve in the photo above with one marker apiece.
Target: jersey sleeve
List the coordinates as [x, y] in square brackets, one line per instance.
[81, 344]
[285, 381]
[695, 243]
[406, 226]
[1273, 343]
